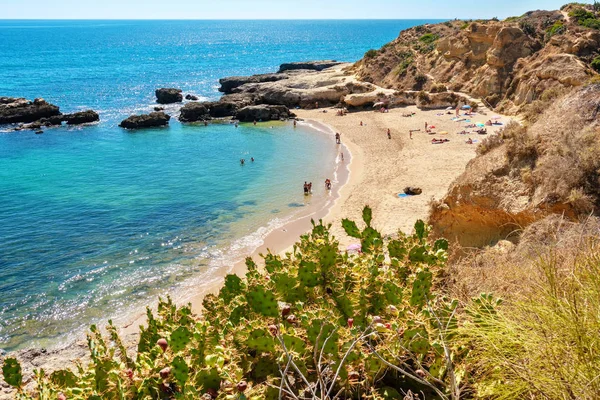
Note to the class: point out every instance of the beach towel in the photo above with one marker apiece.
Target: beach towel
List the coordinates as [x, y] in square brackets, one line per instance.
[404, 195]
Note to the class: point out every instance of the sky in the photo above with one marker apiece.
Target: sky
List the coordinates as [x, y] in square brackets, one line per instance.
[269, 9]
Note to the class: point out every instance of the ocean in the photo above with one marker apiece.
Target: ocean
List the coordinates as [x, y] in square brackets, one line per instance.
[95, 221]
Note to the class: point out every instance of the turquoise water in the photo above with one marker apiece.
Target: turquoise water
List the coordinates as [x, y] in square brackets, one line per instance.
[95, 221]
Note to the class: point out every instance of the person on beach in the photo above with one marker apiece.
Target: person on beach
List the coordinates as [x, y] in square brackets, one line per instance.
[342, 156]
[305, 188]
[316, 104]
[457, 111]
[310, 187]
[426, 127]
[337, 138]
[327, 184]
[254, 122]
[205, 123]
[410, 132]
[295, 123]
[361, 124]
[389, 133]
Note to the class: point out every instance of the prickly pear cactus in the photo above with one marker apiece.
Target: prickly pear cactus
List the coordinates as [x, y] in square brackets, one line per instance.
[12, 372]
[308, 274]
[351, 228]
[367, 215]
[180, 370]
[421, 288]
[180, 339]
[262, 301]
[232, 288]
[261, 341]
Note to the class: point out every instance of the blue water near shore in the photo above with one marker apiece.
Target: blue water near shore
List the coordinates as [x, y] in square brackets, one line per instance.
[96, 220]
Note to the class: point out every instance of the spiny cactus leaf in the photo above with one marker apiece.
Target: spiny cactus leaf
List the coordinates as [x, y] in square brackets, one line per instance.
[308, 274]
[312, 332]
[63, 378]
[367, 215]
[417, 340]
[397, 249]
[370, 239]
[180, 370]
[180, 339]
[293, 343]
[351, 228]
[421, 287]
[261, 341]
[393, 293]
[208, 379]
[421, 230]
[327, 256]
[11, 370]
[262, 301]
[440, 244]
[420, 254]
[233, 287]
[102, 369]
[438, 368]
[272, 263]
[264, 368]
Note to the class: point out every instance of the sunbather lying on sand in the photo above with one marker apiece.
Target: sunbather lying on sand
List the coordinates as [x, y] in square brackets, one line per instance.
[439, 141]
[409, 115]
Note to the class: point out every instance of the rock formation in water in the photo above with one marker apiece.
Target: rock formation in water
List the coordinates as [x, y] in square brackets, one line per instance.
[16, 110]
[168, 96]
[154, 119]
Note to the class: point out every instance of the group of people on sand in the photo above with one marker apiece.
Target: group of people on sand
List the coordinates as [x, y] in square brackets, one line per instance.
[243, 160]
[341, 112]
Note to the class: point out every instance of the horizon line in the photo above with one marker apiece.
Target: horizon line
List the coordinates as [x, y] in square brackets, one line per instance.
[239, 19]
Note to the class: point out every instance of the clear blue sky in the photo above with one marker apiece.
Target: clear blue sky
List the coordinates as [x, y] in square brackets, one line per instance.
[267, 9]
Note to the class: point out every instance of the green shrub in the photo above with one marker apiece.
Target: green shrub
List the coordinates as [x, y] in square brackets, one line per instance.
[428, 38]
[371, 53]
[527, 28]
[314, 321]
[465, 25]
[596, 63]
[557, 28]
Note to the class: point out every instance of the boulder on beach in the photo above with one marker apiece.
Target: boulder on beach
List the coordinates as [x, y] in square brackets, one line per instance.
[413, 191]
[263, 112]
[168, 96]
[81, 117]
[15, 110]
[145, 120]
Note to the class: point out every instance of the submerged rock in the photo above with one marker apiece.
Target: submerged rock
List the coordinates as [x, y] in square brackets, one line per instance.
[145, 120]
[191, 97]
[81, 117]
[168, 96]
[15, 110]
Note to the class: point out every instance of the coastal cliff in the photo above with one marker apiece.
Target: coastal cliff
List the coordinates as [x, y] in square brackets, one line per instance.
[508, 63]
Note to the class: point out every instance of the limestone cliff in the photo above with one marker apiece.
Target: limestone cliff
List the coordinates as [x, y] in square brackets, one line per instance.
[527, 173]
[508, 63]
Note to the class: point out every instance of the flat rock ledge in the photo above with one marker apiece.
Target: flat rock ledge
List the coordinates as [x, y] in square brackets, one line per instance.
[154, 119]
[168, 95]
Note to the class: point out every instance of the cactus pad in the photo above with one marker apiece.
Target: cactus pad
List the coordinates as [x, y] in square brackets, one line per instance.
[421, 287]
[308, 275]
[417, 340]
[63, 378]
[232, 288]
[370, 239]
[262, 301]
[397, 249]
[261, 341]
[264, 368]
[11, 370]
[272, 263]
[179, 339]
[367, 215]
[293, 343]
[393, 293]
[351, 228]
[208, 379]
[180, 370]
[288, 287]
[327, 256]
[312, 332]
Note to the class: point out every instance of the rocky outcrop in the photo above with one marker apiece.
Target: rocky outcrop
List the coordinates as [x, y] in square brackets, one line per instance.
[153, 119]
[228, 85]
[15, 110]
[191, 97]
[264, 112]
[193, 112]
[81, 117]
[168, 96]
[310, 65]
[508, 63]
[525, 174]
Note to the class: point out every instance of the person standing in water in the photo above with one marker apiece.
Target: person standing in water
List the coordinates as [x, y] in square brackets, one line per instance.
[337, 138]
[310, 187]
[254, 122]
[295, 123]
[328, 184]
[242, 161]
[305, 188]
[252, 159]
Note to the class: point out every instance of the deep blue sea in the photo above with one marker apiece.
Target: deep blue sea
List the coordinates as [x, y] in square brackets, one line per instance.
[95, 221]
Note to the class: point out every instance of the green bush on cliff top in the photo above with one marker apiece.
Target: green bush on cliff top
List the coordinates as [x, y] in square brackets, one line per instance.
[596, 63]
[428, 38]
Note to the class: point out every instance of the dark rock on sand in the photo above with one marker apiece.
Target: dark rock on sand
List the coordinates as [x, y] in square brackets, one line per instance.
[81, 117]
[145, 120]
[263, 112]
[191, 97]
[413, 191]
[309, 65]
[168, 96]
[228, 85]
[14, 110]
